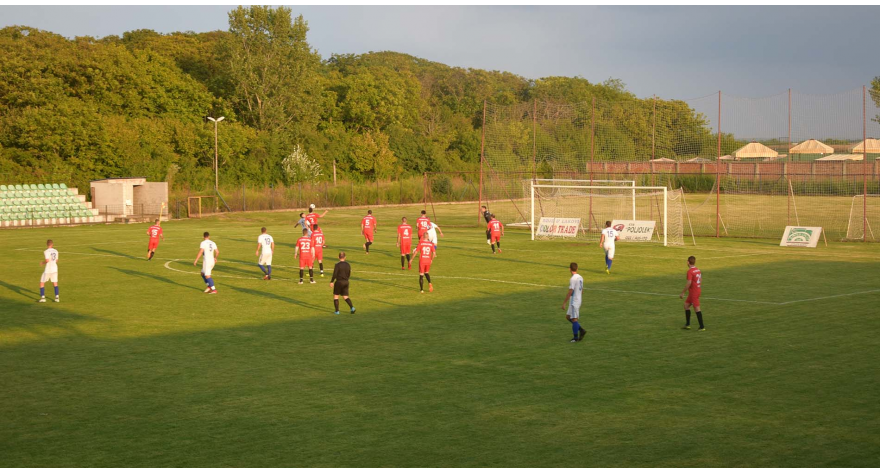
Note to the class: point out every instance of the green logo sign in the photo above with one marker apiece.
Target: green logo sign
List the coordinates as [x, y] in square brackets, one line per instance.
[798, 234]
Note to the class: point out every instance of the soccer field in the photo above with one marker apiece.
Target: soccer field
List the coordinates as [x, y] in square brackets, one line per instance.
[137, 367]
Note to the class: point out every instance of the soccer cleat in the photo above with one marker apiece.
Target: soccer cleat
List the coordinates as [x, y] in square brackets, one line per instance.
[403, 268]
[499, 250]
[488, 242]
[57, 299]
[322, 274]
[336, 312]
[312, 281]
[431, 287]
[353, 310]
[265, 277]
[608, 270]
[701, 329]
[409, 267]
[43, 300]
[574, 340]
[687, 328]
[582, 334]
[268, 277]
[300, 282]
[208, 289]
[422, 291]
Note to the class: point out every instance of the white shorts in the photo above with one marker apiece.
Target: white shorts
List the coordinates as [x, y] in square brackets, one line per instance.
[207, 268]
[265, 259]
[53, 277]
[573, 312]
[609, 251]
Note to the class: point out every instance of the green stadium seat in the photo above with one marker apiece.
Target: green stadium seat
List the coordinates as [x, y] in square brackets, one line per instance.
[55, 186]
[3, 187]
[41, 187]
[18, 187]
[62, 186]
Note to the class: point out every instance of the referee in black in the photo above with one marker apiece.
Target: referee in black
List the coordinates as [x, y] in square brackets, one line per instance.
[341, 274]
[488, 216]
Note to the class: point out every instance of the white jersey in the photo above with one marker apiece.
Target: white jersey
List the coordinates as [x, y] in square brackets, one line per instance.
[208, 254]
[576, 284]
[51, 256]
[610, 235]
[432, 233]
[266, 241]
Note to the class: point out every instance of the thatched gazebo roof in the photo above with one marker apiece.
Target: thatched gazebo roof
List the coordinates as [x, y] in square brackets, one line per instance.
[812, 147]
[873, 146]
[754, 150]
[842, 157]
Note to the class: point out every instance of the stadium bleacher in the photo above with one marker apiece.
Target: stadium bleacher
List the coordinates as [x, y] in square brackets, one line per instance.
[43, 204]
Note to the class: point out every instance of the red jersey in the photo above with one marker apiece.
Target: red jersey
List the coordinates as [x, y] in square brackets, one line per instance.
[154, 232]
[318, 238]
[404, 231]
[369, 222]
[426, 248]
[304, 244]
[312, 219]
[696, 278]
[423, 223]
[494, 226]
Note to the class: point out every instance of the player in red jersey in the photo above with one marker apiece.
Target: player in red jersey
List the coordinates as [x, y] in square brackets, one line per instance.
[693, 289]
[496, 230]
[423, 224]
[404, 241]
[368, 226]
[318, 243]
[306, 254]
[312, 217]
[426, 256]
[155, 233]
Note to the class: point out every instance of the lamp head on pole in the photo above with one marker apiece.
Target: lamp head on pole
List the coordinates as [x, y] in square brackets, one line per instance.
[216, 119]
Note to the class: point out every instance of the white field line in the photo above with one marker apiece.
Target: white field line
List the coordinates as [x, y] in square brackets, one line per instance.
[585, 288]
[539, 285]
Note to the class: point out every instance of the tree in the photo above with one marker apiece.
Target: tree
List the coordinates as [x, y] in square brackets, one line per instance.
[875, 95]
[371, 155]
[274, 72]
[299, 168]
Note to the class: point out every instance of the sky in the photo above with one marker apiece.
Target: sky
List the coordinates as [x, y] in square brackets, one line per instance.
[671, 52]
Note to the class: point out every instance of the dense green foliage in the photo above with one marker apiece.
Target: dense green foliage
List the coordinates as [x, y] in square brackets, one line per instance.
[87, 108]
[137, 367]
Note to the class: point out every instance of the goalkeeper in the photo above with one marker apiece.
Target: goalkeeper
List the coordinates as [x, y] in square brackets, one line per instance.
[488, 216]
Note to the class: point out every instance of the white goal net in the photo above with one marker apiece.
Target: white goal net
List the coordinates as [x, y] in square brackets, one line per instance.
[864, 215]
[593, 205]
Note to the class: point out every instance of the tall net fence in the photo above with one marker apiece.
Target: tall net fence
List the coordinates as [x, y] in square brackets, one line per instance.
[749, 167]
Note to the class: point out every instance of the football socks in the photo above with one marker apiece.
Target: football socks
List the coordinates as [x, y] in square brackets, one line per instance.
[422, 282]
[336, 305]
[699, 316]
[687, 317]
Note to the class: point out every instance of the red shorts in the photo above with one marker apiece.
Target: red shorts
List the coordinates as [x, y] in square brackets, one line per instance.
[693, 298]
[405, 247]
[424, 265]
[319, 253]
[153, 245]
[306, 262]
[496, 237]
[368, 234]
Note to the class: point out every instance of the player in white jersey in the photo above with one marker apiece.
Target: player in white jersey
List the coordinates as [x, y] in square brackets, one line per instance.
[606, 241]
[50, 273]
[265, 250]
[573, 298]
[432, 234]
[209, 250]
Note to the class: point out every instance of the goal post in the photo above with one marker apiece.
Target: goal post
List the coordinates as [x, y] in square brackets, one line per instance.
[589, 182]
[628, 202]
[864, 217]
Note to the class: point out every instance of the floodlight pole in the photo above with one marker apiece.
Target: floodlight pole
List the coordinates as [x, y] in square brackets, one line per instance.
[865, 164]
[718, 175]
[216, 158]
[482, 152]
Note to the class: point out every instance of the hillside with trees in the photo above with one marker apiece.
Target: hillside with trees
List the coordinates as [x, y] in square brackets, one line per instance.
[73, 110]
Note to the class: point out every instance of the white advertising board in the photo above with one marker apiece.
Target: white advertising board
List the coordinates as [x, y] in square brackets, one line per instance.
[797, 236]
[634, 231]
[558, 227]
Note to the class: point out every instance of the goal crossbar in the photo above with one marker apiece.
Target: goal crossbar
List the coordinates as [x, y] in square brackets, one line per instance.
[657, 189]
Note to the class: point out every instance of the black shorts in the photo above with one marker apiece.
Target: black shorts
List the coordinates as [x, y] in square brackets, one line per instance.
[340, 288]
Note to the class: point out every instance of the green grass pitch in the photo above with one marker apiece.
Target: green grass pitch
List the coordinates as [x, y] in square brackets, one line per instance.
[137, 367]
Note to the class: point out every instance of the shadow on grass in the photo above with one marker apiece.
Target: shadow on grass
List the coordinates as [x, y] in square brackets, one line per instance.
[158, 278]
[19, 290]
[31, 316]
[118, 254]
[285, 299]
